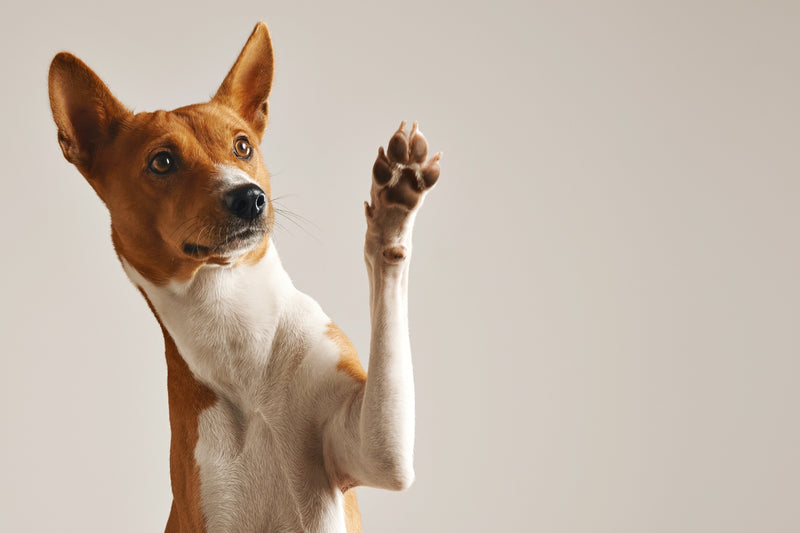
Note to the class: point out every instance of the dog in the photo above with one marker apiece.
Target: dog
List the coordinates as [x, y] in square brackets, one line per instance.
[273, 419]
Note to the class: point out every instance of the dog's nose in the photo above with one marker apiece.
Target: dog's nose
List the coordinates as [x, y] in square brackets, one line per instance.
[247, 201]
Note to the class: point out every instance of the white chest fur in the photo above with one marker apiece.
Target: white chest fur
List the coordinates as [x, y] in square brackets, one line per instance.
[224, 319]
[260, 345]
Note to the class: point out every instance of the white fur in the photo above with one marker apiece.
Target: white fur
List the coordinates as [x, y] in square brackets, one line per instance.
[229, 176]
[288, 429]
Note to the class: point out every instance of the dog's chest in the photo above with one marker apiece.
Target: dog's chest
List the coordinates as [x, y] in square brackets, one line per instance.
[226, 321]
[261, 346]
[264, 474]
[259, 448]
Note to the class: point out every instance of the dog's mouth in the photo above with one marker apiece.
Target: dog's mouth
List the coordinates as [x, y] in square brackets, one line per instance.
[236, 241]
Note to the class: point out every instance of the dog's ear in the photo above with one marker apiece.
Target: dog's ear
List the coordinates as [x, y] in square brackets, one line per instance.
[247, 85]
[84, 109]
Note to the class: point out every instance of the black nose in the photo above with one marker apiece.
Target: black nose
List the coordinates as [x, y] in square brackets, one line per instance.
[246, 201]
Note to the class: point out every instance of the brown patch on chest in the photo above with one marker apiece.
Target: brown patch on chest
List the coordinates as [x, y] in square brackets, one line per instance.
[352, 516]
[187, 399]
[349, 363]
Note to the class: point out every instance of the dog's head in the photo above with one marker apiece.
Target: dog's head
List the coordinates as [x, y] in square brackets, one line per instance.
[185, 188]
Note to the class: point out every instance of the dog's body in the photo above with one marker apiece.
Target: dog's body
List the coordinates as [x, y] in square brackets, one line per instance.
[273, 418]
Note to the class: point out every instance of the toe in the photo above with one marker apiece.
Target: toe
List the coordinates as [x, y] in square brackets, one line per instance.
[381, 170]
[398, 145]
[419, 146]
[430, 172]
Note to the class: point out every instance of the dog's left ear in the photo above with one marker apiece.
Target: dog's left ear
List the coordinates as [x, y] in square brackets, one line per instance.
[85, 111]
[247, 85]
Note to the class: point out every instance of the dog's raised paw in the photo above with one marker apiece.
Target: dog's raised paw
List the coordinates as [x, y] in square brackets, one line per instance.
[402, 174]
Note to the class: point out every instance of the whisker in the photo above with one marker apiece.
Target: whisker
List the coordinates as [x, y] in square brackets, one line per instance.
[190, 229]
[280, 226]
[293, 218]
[281, 197]
[182, 224]
[201, 227]
[297, 216]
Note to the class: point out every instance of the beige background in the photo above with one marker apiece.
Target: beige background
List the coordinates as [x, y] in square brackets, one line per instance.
[605, 301]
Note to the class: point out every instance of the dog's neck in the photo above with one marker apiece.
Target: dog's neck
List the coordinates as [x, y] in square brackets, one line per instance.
[224, 319]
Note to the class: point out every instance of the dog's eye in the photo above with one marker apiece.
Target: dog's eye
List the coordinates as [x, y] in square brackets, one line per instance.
[162, 163]
[242, 148]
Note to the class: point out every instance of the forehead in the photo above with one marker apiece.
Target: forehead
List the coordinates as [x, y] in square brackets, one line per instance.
[201, 125]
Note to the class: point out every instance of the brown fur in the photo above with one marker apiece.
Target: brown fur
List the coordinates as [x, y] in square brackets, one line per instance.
[187, 399]
[112, 147]
[352, 516]
[249, 81]
[179, 206]
[349, 363]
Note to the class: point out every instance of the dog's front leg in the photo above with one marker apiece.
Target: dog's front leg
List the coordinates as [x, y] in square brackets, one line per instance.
[379, 424]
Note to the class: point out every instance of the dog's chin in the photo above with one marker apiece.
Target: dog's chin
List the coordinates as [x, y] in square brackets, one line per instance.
[237, 243]
[240, 242]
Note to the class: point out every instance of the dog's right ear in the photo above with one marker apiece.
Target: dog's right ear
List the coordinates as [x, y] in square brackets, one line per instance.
[247, 85]
[84, 109]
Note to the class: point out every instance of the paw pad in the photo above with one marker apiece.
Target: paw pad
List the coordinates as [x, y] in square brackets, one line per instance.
[401, 173]
[395, 254]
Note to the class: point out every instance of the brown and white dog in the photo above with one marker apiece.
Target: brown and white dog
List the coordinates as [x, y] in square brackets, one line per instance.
[273, 418]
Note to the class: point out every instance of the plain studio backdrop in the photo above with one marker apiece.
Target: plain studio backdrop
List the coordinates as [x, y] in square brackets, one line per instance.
[605, 288]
